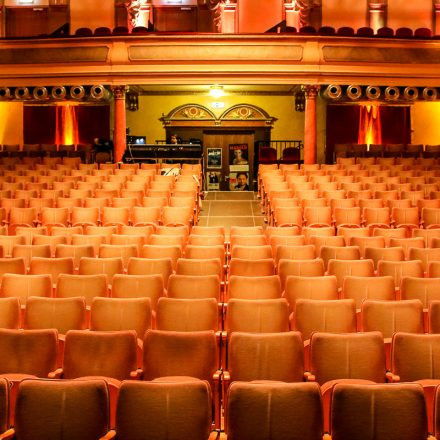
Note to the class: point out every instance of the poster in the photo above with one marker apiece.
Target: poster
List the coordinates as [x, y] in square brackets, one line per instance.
[239, 181]
[214, 178]
[238, 154]
[239, 167]
[214, 158]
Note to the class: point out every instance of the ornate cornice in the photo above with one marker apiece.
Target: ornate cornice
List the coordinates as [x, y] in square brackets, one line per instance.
[311, 91]
[119, 91]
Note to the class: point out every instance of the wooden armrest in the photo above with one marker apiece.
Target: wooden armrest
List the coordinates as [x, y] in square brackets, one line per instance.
[309, 377]
[109, 435]
[224, 336]
[57, 374]
[326, 437]
[10, 433]
[392, 377]
[136, 374]
[226, 376]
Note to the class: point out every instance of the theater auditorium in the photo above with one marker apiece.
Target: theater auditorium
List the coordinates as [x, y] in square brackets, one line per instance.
[219, 220]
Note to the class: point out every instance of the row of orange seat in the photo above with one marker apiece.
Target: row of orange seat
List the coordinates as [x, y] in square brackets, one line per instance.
[257, 410]
[334, 359]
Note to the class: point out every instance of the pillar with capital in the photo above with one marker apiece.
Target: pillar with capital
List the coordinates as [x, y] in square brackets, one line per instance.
[310, 129]
[138, 13]
[120, 125]
[377, 14]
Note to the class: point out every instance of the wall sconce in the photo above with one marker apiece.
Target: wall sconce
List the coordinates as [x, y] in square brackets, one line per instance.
[216, 92]
[300, 101]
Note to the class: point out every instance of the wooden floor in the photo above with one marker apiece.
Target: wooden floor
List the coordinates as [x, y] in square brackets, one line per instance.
[224, 208]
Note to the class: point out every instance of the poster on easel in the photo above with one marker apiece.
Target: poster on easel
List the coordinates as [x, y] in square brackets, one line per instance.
[239, 167]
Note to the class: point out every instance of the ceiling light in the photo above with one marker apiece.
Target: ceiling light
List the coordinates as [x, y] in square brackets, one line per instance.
[216, 92]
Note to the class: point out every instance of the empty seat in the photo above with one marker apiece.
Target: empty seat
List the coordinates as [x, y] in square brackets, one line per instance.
[257, 316]
[304, 268]
[382, 412]
[23, 286]
[324, 316]
[242, 267]
[125, 252]
[63, 314]
[252, 252]
[29, 251]
[384, 254]
[313, 288]
[339, 253]
[52, 266]
[151, 266]
[262, 410]
[360, 289]
[137, 418]
[343, 268]
[425, 256]
[116, 314]
[194, 287]
[139, 286]
[86, 286]
[400, 269]
[187, 314]
[153, 251]
[390, 317]
[109, 354]
[99, 266]
[265, 287]
[28, 352]
[71, 409]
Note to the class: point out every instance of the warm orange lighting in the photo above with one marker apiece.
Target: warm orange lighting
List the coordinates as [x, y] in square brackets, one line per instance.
[67, 124]
[370, 130]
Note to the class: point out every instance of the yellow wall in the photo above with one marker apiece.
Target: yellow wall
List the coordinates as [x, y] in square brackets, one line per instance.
[91, 14]
[425, 121]
[290, 124]
[11, 123]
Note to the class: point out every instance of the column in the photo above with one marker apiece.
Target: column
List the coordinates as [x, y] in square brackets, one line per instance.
[436, 30]
[138, 13]
[310, 130]
[292, 14]
[229, 17]
[377, 16]
[119, 137]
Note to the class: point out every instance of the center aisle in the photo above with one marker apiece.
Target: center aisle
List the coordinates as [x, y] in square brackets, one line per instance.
[224, 208]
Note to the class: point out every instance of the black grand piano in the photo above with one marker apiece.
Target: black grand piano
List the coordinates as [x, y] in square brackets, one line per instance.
[192, 153]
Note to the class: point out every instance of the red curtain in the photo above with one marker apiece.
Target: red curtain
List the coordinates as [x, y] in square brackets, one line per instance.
[40, 123]
[370, 127]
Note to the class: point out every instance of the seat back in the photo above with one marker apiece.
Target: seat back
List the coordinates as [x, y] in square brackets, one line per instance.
[28, 351]
[187, 314]
[137, 418]
[168, 353]
[360, 289]
[389, 317]
[347, 356]
[77, 409]
[194, 287]
[324, 316]
[257, 316]
[242, 287]
[263, 410]
[251, 357]
[381, 412]
[115, 314]
[87, 286]
[9, 313]
[63, 314]
[110, 354]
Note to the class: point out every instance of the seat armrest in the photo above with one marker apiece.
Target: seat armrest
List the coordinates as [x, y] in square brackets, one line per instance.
[309, 377]
[57, 374]
[326, 437]
[10, 433]
[136, 374]
[111, 434]
[392, 377]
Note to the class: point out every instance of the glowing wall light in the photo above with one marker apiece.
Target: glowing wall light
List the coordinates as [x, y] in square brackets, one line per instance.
[370, 130]
[66, 123]
[216, 92]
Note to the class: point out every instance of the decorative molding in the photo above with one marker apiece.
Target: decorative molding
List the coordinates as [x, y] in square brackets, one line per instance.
[198, 115]
[119, 91]
[311, 91]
